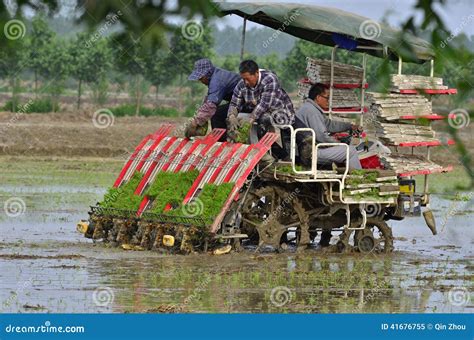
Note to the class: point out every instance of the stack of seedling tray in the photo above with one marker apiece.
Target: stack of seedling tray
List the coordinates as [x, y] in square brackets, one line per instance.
[371, 184]
[408, 82]
[403, 119]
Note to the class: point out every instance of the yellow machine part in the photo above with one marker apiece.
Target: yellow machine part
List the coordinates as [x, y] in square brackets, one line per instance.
[82, 226]
[168, 240]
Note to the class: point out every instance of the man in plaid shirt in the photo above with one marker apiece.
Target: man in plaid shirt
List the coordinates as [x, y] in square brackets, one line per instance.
[259, 93]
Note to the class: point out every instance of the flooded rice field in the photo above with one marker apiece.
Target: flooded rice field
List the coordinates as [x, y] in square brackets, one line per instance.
[46, 266]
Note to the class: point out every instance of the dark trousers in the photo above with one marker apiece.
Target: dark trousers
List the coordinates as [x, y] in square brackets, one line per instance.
[279, 152]
[218, 120]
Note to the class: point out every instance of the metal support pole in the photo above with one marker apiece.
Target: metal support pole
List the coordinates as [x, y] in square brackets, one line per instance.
[426, 184]
[333, 57]
[362, 99]
[400, 62]
[432, 68]
[242, 41]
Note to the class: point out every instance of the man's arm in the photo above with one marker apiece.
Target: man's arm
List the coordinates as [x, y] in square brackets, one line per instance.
[205, 112]
[315, 121]
[336, 126]
[211, 101]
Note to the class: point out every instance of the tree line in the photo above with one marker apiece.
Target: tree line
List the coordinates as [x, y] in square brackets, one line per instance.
[95, 60]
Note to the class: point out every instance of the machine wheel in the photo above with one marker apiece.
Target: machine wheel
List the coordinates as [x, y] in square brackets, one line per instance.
[276, 218]
[375, 238]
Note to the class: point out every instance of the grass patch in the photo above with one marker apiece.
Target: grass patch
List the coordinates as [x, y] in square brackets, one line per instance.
[32, 106]
[130, 110]
[170, 188]
[213, 198]
[123, 197]
[451, 182]
[288, 169]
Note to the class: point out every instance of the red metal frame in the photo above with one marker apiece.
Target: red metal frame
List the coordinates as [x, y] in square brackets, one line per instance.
[226, 159]
[209, 140]
[428, 91]
[263, 146]
[195, 185]
[426, 172]
[347, 109]
[432, 143]
[159, 135]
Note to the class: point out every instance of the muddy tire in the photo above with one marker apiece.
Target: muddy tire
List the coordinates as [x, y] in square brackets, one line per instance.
[376, 238]
[274, 217]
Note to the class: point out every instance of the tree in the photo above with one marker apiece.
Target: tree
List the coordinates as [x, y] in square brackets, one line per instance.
[56, 68]
[186, 48]
[158, 71]
[130, 58]
[145, 18]
[13, 61]
[39, 38]
[90, 62]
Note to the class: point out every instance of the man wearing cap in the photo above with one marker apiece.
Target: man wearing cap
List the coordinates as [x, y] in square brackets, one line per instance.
[221, 84]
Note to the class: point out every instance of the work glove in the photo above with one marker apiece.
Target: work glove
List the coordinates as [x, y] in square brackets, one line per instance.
[233, 125]
[357, 128]
[192, 129]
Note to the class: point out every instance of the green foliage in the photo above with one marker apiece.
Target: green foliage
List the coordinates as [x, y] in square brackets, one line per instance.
[37, 106]
[13, 61]
[123, 197]
[213, 198]
[130, 110]
[157, 70]
[243, 133]
[91, 62]
[184, 51]
[362, 177]
[288, 169]
[100, 92]
[40, 37]
[170, 188]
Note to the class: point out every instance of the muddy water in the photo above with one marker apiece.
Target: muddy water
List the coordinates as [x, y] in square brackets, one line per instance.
[46, 266]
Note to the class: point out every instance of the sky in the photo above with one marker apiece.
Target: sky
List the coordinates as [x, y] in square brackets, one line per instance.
[453, 13]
